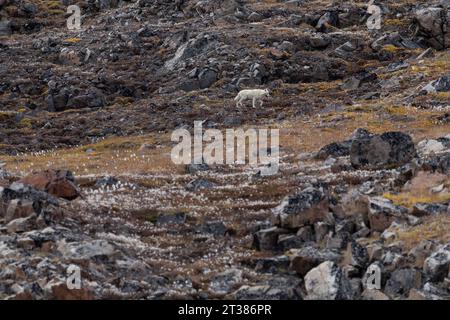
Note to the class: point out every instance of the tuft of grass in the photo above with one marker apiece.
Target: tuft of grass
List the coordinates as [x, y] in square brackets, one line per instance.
[433, 228]
[72, 40]
[391, 48]
[409, 200]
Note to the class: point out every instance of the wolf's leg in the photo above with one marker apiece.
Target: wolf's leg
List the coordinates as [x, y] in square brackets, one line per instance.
[253, 102]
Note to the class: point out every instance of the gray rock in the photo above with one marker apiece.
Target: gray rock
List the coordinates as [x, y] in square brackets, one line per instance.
[275, 264]
[345, 50]
[335, 149]
[321, 229]
[436, 266]
[390, 149]
[289, 241]
[106, 181]
[441, 84]
[434, 24]
[328, 282]
[429, 292]
[267, 239]
[303, 208]
[21, 208]
[402, 281]
[419, 253]
[304, 259]
[187, 50]
[206, 78]
[330, 18]
[176, 218]
[354, 82]
[199, 184]
[5, 28]
[425, 209]
[194, 168]
[338, 241]
[217, 228]
[20, 225]
[277, 288]
[254, 17]
[359, 255]
[85, 250]
[382, 212]
[305, 234]
[224, 282]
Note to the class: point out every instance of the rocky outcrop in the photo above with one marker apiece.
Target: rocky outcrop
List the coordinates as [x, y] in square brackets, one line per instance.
[328, 282]
[434, 23]
[390, 149]
[59, 183]
[303, 208]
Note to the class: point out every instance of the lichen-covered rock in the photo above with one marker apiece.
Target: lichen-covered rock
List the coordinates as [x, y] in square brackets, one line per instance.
[304, 259]
[434, 23]
[328, 282]
[267, 239]
[303, 208]
[436, 266]
[382, 212]
[60, 183]
[402, 281]
[390, 149]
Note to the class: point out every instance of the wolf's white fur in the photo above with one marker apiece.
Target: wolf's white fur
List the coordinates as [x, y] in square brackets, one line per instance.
[254, 94]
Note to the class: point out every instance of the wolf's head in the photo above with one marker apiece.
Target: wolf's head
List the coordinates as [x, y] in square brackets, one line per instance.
[266, 92]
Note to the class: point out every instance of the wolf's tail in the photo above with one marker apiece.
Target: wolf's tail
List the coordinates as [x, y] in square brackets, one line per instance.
[236, 98]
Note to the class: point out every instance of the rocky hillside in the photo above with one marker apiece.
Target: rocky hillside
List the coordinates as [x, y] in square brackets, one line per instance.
[87, 181]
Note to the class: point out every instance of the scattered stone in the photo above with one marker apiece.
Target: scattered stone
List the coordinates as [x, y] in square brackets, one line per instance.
[304, 259]
[216, 228]
[59, 183]
[85, 250]
[359, 256]
[419, 253]
[106, 181]
[390, 149]
[289, 241]
[303, 208]
[176, 218]
[224, 282]
[275, 264]
[434, 23]
[382, 212]
[327, 282]
[425, 209]
[199, 184]
[436, 266]
[402, 281]
[20, 225]
[267, 239]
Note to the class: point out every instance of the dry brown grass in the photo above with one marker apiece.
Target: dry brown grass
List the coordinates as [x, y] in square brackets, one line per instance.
[118, 155]
[418, 190]
[433, 228]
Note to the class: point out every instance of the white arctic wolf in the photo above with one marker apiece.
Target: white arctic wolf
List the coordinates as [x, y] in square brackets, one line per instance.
[254, 94]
